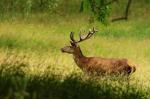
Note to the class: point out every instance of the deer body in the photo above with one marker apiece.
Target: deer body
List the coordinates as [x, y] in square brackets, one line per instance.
[97, 65]
[103, 65]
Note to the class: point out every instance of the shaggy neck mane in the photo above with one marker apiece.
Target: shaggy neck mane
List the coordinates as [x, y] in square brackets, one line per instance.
[78, 53]
[79, 58]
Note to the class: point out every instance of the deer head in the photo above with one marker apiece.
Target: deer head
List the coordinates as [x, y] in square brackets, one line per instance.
[74, 47]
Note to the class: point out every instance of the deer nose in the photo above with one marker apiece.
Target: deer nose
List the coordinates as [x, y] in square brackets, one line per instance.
[62, 50]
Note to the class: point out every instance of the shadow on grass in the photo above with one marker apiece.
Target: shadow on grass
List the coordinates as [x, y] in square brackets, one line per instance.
[15, 83]
[17, 86]
[74, 87]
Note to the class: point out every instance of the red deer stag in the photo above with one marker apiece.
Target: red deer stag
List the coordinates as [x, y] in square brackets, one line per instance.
[96, 65]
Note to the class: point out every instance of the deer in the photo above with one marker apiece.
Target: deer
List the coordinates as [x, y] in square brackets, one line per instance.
[97, 65]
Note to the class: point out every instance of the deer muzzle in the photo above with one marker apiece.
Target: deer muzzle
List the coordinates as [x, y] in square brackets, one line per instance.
[62, 50]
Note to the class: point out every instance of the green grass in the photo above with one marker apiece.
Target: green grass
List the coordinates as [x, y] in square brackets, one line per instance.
[32, 66]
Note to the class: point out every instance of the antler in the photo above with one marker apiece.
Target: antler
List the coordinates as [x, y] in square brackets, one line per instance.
[89, 35]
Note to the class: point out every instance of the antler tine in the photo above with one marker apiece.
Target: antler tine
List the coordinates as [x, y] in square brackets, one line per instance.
[90, 33]
[72, 36]
[94, 30]
[80, 35]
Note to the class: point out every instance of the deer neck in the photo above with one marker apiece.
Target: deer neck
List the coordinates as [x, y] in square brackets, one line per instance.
[78, 57]
[78, 53]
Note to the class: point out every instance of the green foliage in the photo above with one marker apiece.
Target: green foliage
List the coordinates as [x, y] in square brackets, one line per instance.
[99, 8]
[27, 6]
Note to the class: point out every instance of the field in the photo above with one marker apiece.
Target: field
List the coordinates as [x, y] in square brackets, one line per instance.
[33, 67]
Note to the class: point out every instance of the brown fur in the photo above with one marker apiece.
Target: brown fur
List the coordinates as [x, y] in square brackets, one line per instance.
[102, 65]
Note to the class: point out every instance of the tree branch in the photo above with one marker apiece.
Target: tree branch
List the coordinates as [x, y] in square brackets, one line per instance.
[125, 17]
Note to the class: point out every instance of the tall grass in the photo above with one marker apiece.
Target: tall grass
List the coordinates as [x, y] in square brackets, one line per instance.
[32, 66]
[33, 76]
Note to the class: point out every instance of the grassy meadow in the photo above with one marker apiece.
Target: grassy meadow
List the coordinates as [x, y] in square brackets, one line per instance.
[33, 67]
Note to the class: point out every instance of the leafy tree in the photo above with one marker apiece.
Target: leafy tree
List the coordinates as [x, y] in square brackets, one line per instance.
[99, 8]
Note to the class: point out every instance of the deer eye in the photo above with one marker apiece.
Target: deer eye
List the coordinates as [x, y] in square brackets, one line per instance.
[72, 44]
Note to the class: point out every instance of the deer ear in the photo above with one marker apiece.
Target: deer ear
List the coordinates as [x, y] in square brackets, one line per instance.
[72, 43]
